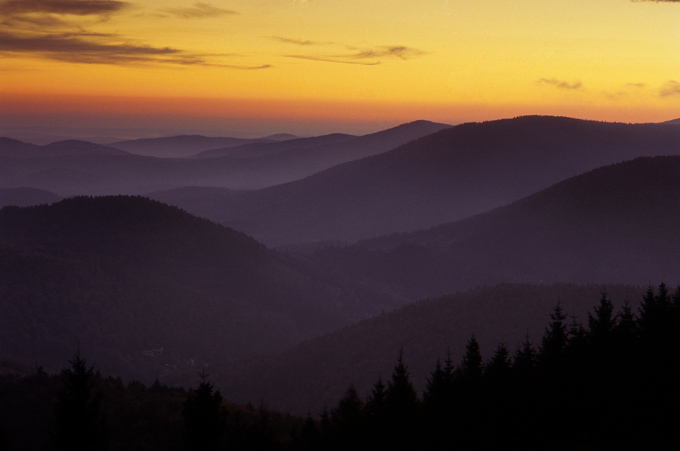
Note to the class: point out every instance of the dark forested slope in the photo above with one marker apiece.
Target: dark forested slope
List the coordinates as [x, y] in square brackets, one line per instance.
[616, 224]
[315, 374]
[124, 275]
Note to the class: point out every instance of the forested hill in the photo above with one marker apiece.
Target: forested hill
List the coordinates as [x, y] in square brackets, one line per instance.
[124, 276]
[615, 224]
[315, 373]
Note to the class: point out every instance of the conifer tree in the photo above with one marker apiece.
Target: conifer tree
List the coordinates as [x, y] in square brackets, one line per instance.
[347, 419]
[498, 367]
[401, 404]
[400, 396]
[554, 339]
[376, 415]
[375, 404]
[80, 424]
[203, 416]
[602, 323]
[438, 395]
[625, 330]
[471, 366]
[524, 360]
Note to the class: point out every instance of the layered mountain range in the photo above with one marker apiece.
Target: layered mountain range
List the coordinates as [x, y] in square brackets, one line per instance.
[495, 222]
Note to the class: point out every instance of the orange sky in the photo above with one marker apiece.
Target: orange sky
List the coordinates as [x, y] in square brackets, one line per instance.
[246, 68]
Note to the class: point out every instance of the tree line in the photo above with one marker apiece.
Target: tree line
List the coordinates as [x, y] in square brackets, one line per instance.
[611, 383]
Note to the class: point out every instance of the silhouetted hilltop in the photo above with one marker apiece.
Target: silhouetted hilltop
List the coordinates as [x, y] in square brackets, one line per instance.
[14, 148]
[315, 374]
[445, 176]
[126, 275]
[24, 197]
[613, 224]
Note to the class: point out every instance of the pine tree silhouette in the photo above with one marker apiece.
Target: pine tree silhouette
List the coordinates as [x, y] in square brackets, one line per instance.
[203, 416]
[401, 404]
[554, 340]
[80, 424]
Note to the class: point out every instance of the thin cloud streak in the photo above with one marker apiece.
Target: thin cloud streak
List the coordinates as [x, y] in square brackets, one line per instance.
[332, 60]
[198, 11]
[400, 52]
[561, 84]
[75, 7]
[75, 48]
[300, 42]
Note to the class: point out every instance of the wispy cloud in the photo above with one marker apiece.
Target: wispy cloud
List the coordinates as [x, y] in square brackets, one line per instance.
[82, 48]
[398, 51]
[96, 48]
[670, 88]
[75, 7]
[55, 29]
[561, 84]
[301, 42]
[627, 90]
[366, 57]
[328, 59]
[198, 11]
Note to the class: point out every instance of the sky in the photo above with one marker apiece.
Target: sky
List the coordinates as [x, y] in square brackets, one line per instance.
[105, 69]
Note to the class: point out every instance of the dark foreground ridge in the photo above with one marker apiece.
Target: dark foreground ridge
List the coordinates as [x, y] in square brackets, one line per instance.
[609, 384]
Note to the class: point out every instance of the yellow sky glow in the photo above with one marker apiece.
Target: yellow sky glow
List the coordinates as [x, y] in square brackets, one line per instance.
[345, 61]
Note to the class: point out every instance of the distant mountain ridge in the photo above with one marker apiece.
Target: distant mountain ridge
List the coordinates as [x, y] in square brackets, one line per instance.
[24, 197]
[258, 149]
[181, 146]
[17, 149]
[615, 224]
[445, 176]
[97, 170]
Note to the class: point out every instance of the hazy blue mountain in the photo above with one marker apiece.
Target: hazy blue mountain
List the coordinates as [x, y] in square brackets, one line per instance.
[14, 148]
[19, 150]
[315, 374]
[181, 146]
[259, 149]
[75, 147]
[83, 168]
[614, 224]
[24, 197]
[442, 177]
[123, 275]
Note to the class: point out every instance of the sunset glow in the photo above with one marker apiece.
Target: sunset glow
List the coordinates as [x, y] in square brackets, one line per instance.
[243, 67]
